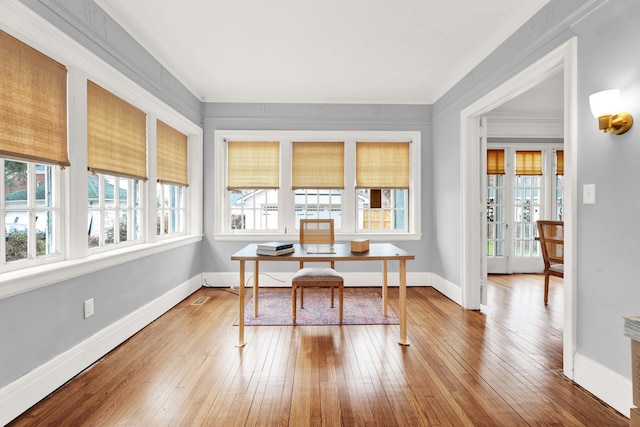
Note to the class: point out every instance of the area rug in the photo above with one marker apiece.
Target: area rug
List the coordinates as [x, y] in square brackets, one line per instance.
[359, 308]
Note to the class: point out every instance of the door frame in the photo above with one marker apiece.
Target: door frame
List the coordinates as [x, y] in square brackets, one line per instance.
[563, 58]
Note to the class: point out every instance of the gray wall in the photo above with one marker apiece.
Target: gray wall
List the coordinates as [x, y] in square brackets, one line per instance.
[607, 232]
[37, 326]
[333, 117]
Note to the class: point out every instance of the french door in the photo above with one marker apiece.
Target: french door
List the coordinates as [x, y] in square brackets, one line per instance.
[523, 185]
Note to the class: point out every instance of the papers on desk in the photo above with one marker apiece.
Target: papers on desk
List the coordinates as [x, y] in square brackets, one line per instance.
[632, 327]
[321, 250]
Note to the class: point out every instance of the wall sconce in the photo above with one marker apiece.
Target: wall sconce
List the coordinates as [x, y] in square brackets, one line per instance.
[605, 107]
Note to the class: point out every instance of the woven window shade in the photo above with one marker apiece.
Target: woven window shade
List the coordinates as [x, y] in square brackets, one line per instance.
[172, 155]
[382, 164]
[318, 165]
[116, 135]
[253, 164]
[560, 162]
[33, 104]
[495, 162]
[528, 162]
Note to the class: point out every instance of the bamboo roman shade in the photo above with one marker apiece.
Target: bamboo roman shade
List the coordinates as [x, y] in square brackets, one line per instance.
[528, 162]
[253, 164]
[33, 104]
[116, 135]
[560, 162]
[495, 162]
[382, 164]
[172, 155]
[317, 165]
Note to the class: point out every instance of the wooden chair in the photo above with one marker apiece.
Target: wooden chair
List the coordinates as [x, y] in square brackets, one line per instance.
[318, 232]
[551, 237]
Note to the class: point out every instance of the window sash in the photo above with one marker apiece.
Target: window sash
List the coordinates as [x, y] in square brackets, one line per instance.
[317, 165]
[33, 104]
[171, 155]
[495, 162]
[253, 165]
[382, 165]
[529, 163]
[116, 135]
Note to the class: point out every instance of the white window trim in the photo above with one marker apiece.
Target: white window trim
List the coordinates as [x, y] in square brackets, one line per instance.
[349, 209]
[26, 25]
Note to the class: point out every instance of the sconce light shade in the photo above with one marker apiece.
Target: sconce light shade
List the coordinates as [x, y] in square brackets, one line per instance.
[605, 103]
[605, 106]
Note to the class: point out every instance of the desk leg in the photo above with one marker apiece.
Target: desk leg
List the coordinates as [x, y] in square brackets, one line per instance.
[385, 292]
[255, 289]
[403, 303]
[241, 342]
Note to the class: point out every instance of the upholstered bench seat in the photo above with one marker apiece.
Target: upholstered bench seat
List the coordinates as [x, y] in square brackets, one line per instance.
[316, 278]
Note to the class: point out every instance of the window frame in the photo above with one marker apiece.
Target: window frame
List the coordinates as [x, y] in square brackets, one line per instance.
[32, 209]
[286, 198]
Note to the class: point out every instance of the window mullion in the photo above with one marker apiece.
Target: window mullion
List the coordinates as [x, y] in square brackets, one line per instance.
[349, 196]
[286, 195]
[31, 209]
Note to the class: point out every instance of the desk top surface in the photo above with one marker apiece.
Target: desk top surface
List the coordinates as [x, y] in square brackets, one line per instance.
[342, 252]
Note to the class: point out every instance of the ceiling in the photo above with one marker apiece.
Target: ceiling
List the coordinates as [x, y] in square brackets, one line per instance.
[325, 51]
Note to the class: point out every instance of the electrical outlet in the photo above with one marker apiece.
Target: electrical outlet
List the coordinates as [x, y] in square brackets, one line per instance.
[88, 308]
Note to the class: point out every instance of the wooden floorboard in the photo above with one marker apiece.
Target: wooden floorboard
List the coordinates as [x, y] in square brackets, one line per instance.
[501, 366]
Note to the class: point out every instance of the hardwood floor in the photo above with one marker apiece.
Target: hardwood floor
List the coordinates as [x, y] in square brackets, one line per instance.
[498, 367]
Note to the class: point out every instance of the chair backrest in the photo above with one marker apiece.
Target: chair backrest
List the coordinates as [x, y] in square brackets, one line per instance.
[551, 235]
[316, 231]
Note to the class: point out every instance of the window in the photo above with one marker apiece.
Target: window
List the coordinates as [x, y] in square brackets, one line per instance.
[114, 210]
[496, 223]
[171, 209]
[559, 185]
[527, 203]
[382, 179]
[33, 131]
[31, 214]
[368, 182]
[48, 214]
[317, 179]
[253, 180]
[173, 179]
[117, 144]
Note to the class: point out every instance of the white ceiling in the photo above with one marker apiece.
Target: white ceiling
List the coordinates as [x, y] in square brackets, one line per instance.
[324, 51]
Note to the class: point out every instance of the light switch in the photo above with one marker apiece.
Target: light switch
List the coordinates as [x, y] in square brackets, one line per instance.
[589, 194]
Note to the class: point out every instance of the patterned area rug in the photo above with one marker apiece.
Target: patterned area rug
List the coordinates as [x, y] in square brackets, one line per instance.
[360, 308]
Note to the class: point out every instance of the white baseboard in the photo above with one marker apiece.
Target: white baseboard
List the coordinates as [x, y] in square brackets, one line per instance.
[609, 386]
[446, 288]
[26, 391]
[277, 280]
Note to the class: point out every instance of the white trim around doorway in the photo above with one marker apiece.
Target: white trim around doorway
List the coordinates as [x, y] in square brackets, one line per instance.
[563, 58]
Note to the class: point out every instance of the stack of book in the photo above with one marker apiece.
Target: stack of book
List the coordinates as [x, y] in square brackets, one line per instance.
[632, 327]
[274, 248]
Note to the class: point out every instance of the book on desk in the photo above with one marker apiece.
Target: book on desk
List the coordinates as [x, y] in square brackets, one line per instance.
[274, 248]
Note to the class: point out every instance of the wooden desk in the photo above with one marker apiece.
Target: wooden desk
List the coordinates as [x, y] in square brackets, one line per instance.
[377, 252]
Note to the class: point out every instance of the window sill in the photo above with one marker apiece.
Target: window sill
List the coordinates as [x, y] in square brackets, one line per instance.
[21, 281]
[340, 237]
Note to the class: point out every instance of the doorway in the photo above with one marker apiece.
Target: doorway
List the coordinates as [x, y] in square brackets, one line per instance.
[474, 143]
[524, 184]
